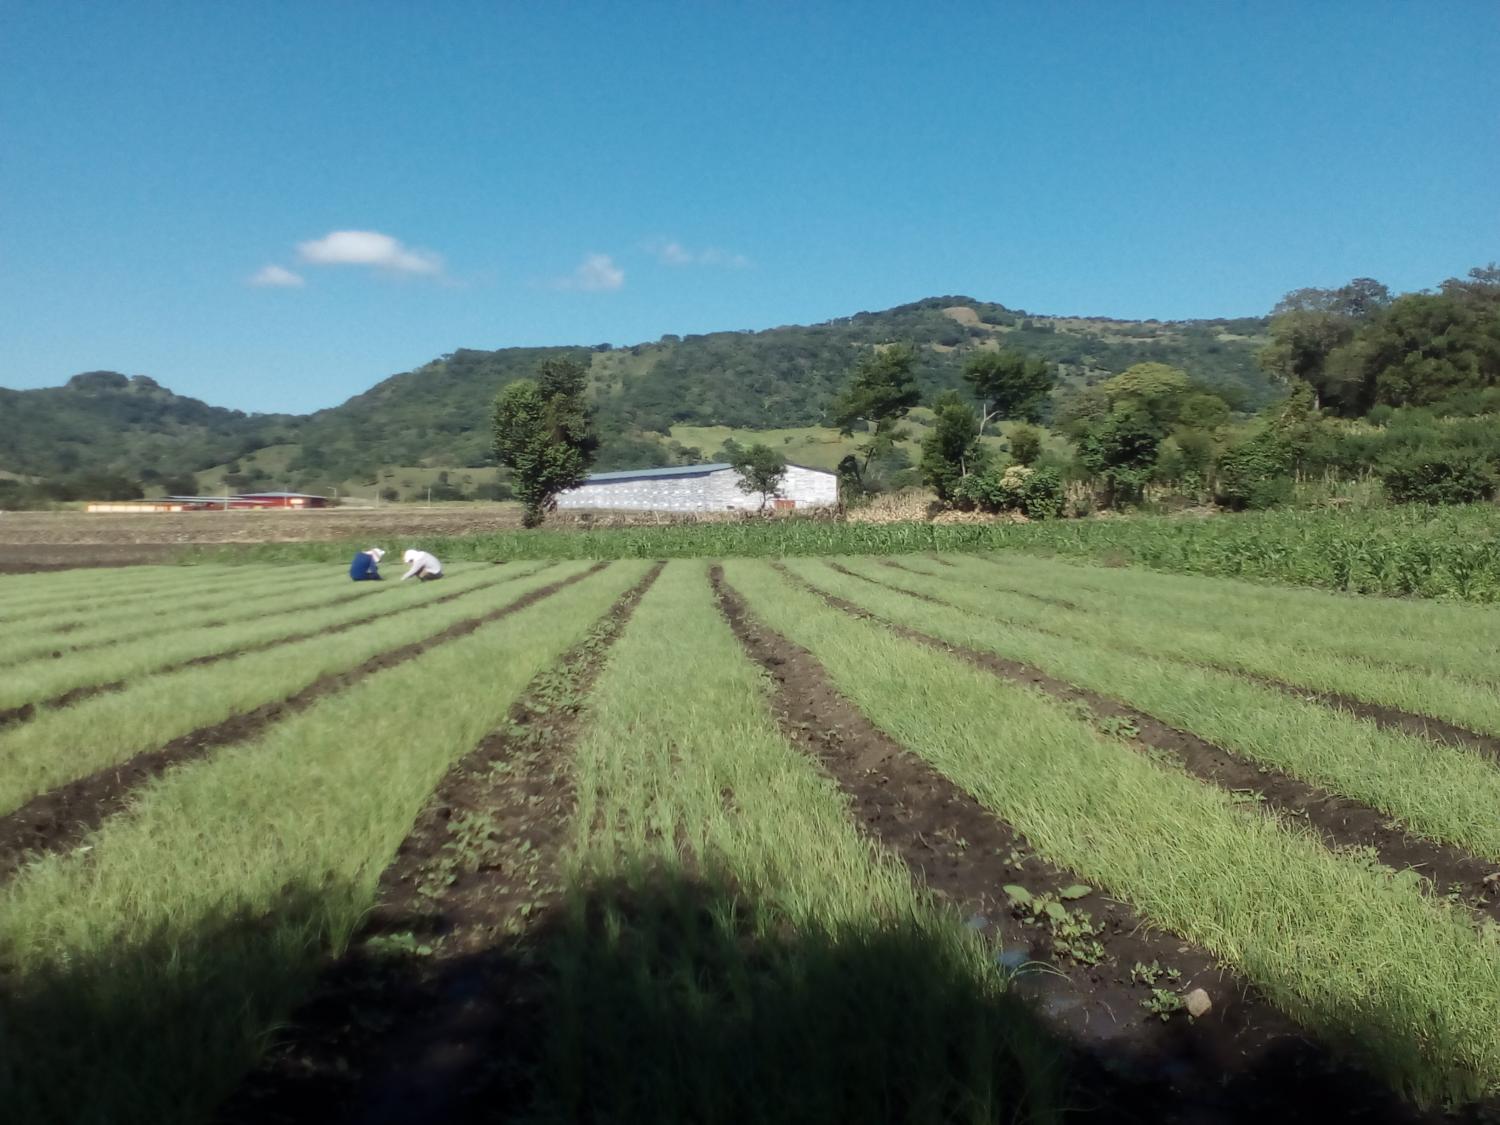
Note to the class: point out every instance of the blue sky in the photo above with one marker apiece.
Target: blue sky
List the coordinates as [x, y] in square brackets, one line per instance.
[434, 176]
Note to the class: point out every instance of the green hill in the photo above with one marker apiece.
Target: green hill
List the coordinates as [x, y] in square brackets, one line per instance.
[656, 401]
[104, 422]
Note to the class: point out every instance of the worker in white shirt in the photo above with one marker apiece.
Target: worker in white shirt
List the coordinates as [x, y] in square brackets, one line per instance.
[423, 567]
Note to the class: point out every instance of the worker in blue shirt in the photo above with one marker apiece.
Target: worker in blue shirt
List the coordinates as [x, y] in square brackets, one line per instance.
[366, 565]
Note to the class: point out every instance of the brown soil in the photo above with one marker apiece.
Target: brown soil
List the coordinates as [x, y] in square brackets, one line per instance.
[844, 570]
[1242, 1061]
[27, 711]
[1341, 821]
[34, 558]
[1060, 603]
[44, 541]
[58, 819]
[413, 1038]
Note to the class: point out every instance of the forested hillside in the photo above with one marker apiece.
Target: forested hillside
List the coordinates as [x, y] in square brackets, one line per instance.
[438, 415]
[102, 424]
[781, 377]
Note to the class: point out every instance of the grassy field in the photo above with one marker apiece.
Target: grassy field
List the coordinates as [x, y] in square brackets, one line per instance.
[964, 836]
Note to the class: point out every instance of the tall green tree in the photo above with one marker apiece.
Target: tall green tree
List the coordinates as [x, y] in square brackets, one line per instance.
[951, 449]
[544, 434]
[1009, 385]
[882, 390]
[761, 470]
[1121, 449]
[1309, 325]
[1025, 443]
[1423, 349]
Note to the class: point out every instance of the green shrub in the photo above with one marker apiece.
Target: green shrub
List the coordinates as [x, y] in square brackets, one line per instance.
[1036, 493]
[1256, 473]
[1438, 477]
[1042, 495]
[1025, 444]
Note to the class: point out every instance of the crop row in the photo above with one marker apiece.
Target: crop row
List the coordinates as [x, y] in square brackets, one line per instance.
[714, 870]
[1366, 659]
[1329, 938]
[1442, 792]
[156, 961]
[99, 732]
[171, 646]
[183, 589]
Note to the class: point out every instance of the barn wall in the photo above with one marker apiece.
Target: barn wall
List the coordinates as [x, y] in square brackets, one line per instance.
[705, 492]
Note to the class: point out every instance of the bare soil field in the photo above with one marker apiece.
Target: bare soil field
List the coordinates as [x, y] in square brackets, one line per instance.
[154, 528]
[40, 541]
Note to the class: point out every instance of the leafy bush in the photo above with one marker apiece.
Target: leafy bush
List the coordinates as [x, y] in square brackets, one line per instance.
[1025, 444]
[1036, 493]
[1441, 476]
[1256, 473]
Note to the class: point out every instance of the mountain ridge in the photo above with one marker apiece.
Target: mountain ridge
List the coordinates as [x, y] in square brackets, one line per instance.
[437, 413]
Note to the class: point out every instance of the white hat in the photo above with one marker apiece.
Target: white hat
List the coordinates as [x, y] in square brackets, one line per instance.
[410, 555]
[376, 553]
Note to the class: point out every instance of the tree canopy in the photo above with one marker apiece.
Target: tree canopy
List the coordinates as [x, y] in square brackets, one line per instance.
[761, 470]
[1359, 348]
[951, 449]
[1009, 384]
[543, 434]
[882, 390]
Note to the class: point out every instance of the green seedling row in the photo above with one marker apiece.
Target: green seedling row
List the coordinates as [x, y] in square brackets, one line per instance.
[159, 959]
[1422, 691]
[222, 592]
[1421, 636]
[1442, 792]
[1303, 610]
[43, 680]
[154, 619]
[87, 585]
[731, 880]
[1355, 952]
[74, 741]
[106, 590]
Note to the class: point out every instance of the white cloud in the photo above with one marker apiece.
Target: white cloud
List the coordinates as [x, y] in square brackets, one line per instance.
[670, 252]
[369, 248]
[276, 277]
[595, 274]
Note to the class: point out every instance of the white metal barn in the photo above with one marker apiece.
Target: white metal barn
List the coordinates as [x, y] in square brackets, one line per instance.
[698, 488]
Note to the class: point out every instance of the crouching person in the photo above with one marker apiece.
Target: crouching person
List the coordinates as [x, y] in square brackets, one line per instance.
[423, 567]
[366, 565]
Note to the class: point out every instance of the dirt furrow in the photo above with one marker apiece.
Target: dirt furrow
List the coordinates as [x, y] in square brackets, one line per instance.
[1389, 718]
[1060, 603]
[844, 570]
[1341, 822]
[1095, 969]
[27, 711]
[58, 819]
[395, 1034]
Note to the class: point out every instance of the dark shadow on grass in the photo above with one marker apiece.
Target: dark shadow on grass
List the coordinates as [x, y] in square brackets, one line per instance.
[651, 999]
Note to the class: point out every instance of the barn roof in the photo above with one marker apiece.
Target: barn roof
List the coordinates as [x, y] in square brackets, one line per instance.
[667, 471]
[677, 471]
[279, 496]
